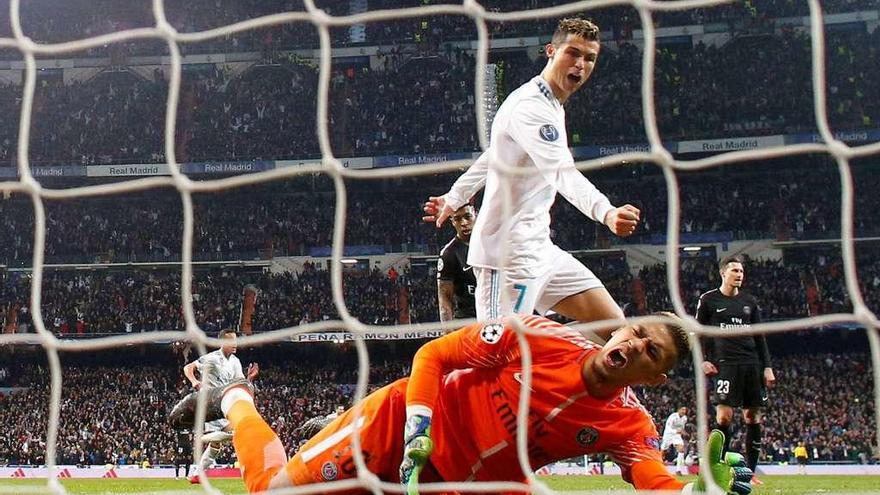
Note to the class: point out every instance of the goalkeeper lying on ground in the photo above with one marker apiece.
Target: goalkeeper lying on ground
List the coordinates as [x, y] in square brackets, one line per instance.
[454, 418]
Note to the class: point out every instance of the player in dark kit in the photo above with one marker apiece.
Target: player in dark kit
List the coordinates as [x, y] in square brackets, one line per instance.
[455, 278]
[741, 364]
[183, 453]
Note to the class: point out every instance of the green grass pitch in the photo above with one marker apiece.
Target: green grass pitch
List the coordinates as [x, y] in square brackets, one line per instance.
[774, 485]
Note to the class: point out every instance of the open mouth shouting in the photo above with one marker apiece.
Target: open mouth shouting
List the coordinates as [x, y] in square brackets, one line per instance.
[616, 359]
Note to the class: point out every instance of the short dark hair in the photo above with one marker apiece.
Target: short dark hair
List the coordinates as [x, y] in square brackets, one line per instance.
[584, 28]
[225, 332]
[679, 334]
[730, 259]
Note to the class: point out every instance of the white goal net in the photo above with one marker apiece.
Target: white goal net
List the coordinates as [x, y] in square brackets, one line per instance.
[334, 168]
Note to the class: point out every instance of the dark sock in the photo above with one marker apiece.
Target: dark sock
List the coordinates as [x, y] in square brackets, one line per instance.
[753, 444]
[726, 430]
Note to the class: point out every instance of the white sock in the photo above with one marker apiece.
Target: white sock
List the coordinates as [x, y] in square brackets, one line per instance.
[232, 397]
[208, 457]
[679, 463]
[418, 410]
[217, 437]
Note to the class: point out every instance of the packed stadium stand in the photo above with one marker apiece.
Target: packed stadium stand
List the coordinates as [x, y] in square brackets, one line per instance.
[113, 413]
[267, 112]
[773, 200]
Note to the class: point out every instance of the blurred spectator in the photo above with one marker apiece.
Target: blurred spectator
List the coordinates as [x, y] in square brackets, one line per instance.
[268, 112]
[784, 199]
[116, 414]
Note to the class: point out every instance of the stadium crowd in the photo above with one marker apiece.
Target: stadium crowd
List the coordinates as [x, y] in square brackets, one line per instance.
[48, 22]
[268, 112]
[804, 283]
[242, 226]
[776, 200]
[619, 21]
[116, 414]
[698, 90]
[84, 303]
[87, 303]
[821, 398]
[77, 19]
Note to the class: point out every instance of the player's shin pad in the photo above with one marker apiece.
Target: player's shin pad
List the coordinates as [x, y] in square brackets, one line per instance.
[417, 449]
[730, 473]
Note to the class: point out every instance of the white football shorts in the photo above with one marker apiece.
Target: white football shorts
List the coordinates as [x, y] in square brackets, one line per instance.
[670, 440]
[566, 277]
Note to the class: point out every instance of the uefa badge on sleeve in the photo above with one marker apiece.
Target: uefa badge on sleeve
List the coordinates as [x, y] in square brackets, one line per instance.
[491, 334]
[549, 133]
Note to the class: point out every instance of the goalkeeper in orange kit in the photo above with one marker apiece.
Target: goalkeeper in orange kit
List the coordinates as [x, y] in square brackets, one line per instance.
[454, 418]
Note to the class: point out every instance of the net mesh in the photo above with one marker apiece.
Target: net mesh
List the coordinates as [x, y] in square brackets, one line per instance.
[657, 154]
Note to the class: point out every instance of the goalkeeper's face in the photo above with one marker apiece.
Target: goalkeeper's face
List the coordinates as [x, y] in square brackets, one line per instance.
[637, 355]
[570, 64]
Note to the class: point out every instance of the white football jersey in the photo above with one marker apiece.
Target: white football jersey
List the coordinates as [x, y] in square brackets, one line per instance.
[674, 424]
[217, 370]
[528, 133]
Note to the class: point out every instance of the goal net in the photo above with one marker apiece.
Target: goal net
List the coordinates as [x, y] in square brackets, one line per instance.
[333, 167]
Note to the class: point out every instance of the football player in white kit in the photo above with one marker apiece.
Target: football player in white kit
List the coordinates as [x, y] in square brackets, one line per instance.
[675, 424]
[529, 134]
[216, 369]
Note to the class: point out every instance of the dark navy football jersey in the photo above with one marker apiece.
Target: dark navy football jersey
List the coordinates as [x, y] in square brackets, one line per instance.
[733, 313]
[452, 266]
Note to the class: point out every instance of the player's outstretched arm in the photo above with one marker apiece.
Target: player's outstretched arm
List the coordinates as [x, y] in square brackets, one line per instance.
[437, 211]
[438, 208]
[551, 156]
[189, 371]
[623, 220]
[473, 346]
[649, 473]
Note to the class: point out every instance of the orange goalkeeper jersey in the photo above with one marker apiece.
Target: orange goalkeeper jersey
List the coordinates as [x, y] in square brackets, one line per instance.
[471, 379]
